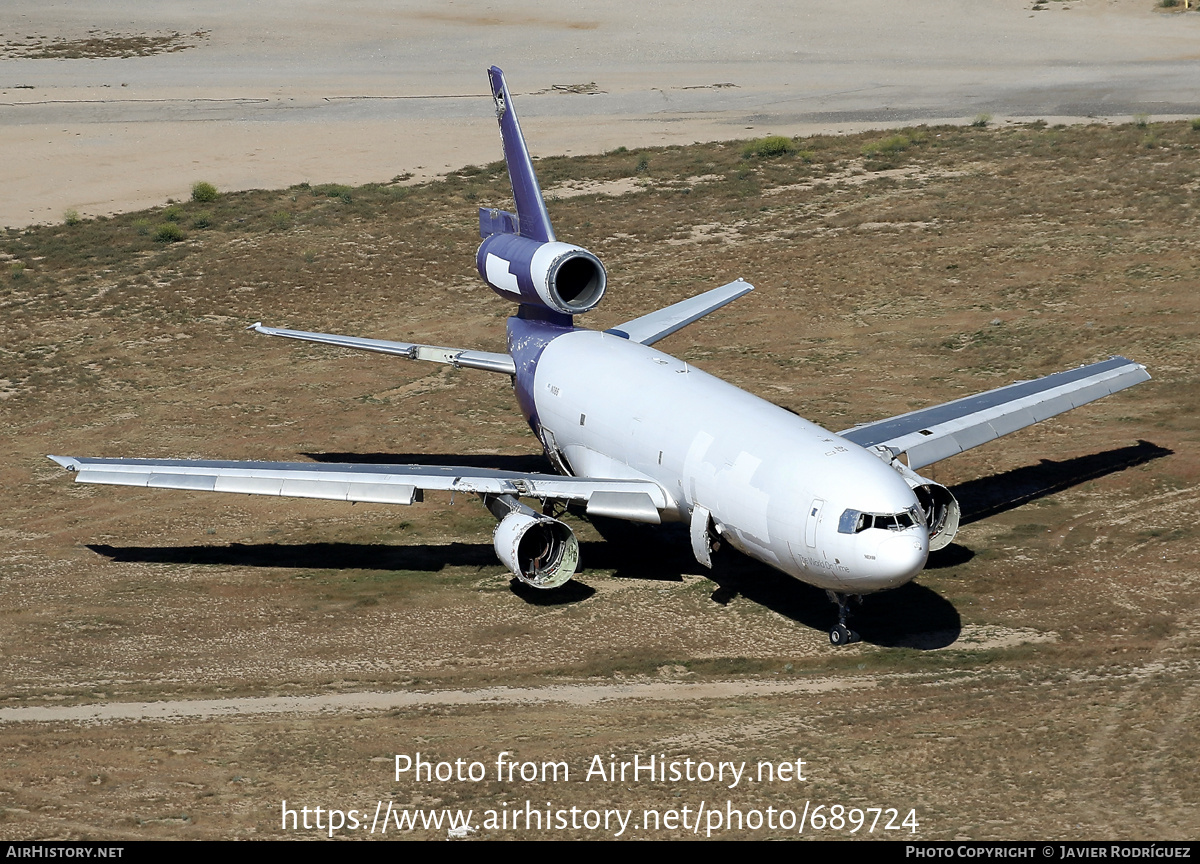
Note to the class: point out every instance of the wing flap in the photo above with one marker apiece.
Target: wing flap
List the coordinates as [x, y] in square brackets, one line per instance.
[195, 482]
[649, 329]
[382, 493]
[633, 506]
[932, 434]
[114, 478]
[248, 485]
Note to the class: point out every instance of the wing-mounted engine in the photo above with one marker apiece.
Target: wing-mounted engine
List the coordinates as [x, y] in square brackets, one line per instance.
[942, 513]
[941, 510]
[559, 276]
[540, 551]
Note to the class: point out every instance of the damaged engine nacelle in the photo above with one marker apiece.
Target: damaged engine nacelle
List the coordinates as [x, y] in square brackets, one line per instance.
[540, 551]
[558, 276]
[940, 507]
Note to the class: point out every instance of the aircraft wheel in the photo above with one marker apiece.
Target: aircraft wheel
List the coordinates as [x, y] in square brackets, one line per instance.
[843, 635]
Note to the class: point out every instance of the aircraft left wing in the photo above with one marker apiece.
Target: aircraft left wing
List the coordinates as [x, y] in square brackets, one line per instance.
[943, 430]
[459, 357]
[637, 500]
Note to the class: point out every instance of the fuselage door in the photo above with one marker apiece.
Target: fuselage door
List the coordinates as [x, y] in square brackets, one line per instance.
[810, 527]
[554, 454]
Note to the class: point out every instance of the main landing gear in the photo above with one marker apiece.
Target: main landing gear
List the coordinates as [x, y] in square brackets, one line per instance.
[841, 634]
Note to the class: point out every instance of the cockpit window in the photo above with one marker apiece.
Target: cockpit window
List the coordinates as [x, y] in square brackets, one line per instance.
[855, 521]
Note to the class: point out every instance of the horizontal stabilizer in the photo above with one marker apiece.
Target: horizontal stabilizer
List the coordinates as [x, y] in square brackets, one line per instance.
[493, 221]
[944, 430]
[458, 357]
[658, 325]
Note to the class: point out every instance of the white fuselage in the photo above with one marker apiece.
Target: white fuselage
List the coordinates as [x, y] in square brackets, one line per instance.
[776, 484]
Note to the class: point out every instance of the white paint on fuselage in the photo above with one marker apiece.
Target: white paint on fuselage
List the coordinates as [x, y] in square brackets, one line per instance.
[621, 409]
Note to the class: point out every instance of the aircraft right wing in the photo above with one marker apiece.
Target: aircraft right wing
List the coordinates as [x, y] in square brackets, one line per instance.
[636, 500]
[458, 357]
[648, 329]
[943, 430]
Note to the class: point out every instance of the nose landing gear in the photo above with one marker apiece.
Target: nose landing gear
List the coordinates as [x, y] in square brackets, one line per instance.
[840, 634]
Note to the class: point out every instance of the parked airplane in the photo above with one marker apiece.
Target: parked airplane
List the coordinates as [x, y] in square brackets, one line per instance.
[639, 435]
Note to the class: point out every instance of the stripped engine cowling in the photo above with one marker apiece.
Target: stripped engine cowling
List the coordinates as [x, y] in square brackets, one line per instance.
[540, 551]
[942, 513]
[558, 276]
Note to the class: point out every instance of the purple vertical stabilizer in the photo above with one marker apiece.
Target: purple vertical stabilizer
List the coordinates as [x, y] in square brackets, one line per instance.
[532, 218]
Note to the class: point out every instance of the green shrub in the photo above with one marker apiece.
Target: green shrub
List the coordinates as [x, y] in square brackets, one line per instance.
[281, 220]
[71, 217]
[771, 146]
[204, 192]
[173, 214]
[17, 269]
[981, 121]
[1196, 124]
[1141, 120]
[203, 219]
[333, 190]
[643, 165]
[891, 145]
[169, 232]
[142, 227]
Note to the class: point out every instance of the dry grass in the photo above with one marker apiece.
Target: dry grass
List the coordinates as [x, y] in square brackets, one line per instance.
[1063, 622]
[98, 44]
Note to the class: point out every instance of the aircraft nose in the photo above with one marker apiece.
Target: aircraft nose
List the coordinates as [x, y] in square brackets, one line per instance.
[903, 557]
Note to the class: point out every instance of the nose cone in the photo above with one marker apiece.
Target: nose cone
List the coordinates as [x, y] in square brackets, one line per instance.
[902, 557]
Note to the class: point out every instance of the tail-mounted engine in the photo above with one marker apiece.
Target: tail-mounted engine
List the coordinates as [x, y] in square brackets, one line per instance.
[520, 257]
[940, 507]
[540, 551]
[558, 276]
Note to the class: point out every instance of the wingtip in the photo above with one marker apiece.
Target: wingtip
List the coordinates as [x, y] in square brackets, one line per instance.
[67, 462]
[255, 326]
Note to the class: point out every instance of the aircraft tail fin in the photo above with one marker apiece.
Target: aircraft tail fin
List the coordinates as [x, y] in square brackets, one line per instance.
[531, 220]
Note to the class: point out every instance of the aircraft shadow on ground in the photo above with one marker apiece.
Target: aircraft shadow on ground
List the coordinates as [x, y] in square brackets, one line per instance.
[989, 496]
[911, 616]
[423, 557]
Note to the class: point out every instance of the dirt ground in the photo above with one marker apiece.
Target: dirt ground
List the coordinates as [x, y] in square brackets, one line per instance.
[178, 666]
